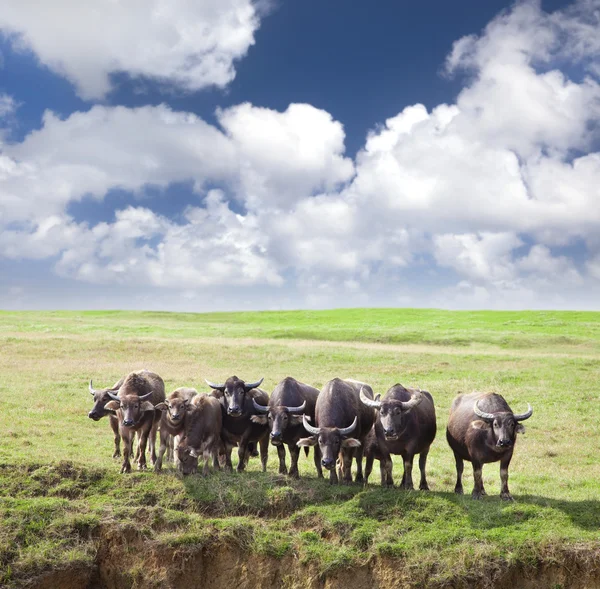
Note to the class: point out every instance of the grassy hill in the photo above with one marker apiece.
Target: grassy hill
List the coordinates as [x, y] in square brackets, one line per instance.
[64, 507]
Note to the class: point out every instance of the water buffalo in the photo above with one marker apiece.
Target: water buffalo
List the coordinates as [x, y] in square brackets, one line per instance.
[134, 405]
[172, 422]
[482, 428]
[406, 426]
[339, 413]
[236, 398]
[287, 403]
[202, 434]
[99, 410]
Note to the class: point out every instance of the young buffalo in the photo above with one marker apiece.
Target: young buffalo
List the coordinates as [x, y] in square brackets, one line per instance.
[202, 434]
[482, 428]
[174, 411]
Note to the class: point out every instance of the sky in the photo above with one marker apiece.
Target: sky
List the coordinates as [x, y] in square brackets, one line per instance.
[207, 155]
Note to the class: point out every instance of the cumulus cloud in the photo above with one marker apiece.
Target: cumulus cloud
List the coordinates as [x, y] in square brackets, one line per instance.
[484, 202]
[190, 43]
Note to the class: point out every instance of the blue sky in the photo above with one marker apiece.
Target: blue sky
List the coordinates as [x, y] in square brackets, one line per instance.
[217, 155]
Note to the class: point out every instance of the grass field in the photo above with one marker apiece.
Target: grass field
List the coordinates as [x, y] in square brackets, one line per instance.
[60, 489]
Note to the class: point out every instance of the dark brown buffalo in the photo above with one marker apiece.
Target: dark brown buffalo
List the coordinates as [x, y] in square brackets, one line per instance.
[99, 410]
[482, 428]
[134, 405]
[202, 434]
[287, 403]
[406, 426]
[339, 413]
[236, 398]
[172, 422]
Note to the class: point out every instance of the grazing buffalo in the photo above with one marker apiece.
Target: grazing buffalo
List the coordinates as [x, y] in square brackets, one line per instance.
[202, 434]
[339, 413]
[406, 426]
[287, 403]
[173, 418]
[99, 410]
[481, 429]
[134, 405]
[237, 402]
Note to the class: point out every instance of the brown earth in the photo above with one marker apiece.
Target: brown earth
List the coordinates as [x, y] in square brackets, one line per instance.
[126, 560]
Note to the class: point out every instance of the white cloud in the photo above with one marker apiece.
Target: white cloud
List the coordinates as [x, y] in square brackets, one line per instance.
[189, 43]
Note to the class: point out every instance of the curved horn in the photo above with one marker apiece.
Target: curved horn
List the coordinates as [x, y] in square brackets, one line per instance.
[369, 402]
[298, 409]
[92, 391]
[253, 385]
[524, 416]
[315, 431]
[217, 387]
[415, 399]
[113, 396]
[344, 431]
[260, 408]
[485, 416]
[147, 396]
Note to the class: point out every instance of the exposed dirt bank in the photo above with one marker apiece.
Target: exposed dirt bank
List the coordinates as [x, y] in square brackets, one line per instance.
[125, 560]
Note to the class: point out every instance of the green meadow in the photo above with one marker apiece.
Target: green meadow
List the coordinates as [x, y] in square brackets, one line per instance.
[60, 490]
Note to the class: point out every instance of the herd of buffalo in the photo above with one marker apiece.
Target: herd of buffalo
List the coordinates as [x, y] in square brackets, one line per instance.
[344, 420]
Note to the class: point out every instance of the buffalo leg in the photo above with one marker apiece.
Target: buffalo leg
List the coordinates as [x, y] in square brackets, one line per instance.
[369, 467]
[407, 481]
[242, 451]
[227, 453]
[317, 459]
[127, 447]
[164, 441]
[294, 456]
[152, 439]
[264, 452]
[281, 454]
[358, 456]
[114, 424]
[346, 455]
[460, 466]
[142, 448]
[504, 492]
[478, 490]
[423, 486]
[333, 477]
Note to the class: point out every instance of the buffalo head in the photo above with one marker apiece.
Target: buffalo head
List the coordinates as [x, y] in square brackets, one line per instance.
[504, 424]
[235, 391]
[101, 399]
[132, 407]
[278, 418]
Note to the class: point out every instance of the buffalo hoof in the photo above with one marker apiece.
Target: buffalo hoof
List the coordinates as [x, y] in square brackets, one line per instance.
[407, 487]
[294, 474]
[359, 478]
[423, 487]
[126, 469]
[117, 454]
[282, 470]
[478, 494]
[458, 490]
[506, 497]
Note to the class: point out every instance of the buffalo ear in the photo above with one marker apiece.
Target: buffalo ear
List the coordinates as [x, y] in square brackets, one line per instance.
[112, 405]
[520, 429]
[479, 424]
[295, 419]
[350, 443]
[312, 441]
[146, 406]
[260, 419]
[161, 406]
[216, 394]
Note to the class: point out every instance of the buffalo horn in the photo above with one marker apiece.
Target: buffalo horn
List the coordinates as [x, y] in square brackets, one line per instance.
[526, 415]
[113, 396]
[415, 399]
[298, 409]
[253, 385]
[92, 391]
[369, 402]
[315, 431]
[485, 416]
[146, 396]
[217, 387]
[344, 431]
[260, 408]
